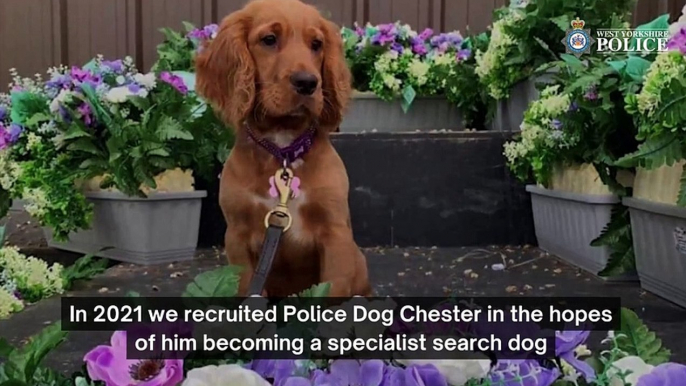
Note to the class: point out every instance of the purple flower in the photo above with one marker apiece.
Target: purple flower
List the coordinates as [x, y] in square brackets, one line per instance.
[573, 107]
[678, 41]
[86, 113]
[14, 132]
[116, 66]
[3, 112]
[359, 31]
[274, 369]
[397, 47]
[565, 344]
[205, 33]
[348, 372]
[418, 46]
[385, 34]
[426, 375]
[174, 81]
[134, 88]
[666, 374]
[591, 94]
[210, 30]
[295, 381]
[464, 54]
[523, 373]
[4, 137]
[109, 364]
[427, 33]
[17, 295]
[57, 83]
[557, 125]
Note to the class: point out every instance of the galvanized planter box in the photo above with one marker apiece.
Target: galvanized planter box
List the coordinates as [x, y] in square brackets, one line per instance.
[367, 113]
[566, 223]
[161, 228]
[659, 233]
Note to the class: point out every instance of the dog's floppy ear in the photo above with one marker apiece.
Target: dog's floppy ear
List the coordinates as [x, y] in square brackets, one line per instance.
[225, 71]
[336, 78]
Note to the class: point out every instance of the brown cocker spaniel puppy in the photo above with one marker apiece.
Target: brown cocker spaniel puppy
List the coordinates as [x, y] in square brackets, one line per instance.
[277, 74]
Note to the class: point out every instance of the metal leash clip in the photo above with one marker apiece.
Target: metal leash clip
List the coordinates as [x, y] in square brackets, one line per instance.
[282, 182]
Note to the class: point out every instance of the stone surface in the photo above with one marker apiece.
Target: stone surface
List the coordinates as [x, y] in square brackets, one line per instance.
[394, 271]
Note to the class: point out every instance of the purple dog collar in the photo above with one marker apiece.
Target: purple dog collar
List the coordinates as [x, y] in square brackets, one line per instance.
[289, 154]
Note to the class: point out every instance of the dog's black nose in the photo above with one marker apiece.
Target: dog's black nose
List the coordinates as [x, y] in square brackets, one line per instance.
[304, 82]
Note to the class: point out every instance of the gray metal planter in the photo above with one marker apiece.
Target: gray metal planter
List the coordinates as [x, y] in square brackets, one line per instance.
[161, 228]
[366, 112]
[659, 232]
[509, 112]
[566, 223]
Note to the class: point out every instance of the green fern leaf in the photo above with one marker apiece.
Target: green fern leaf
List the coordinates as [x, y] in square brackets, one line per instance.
[655, 152]
[169, 128]
[75, 131]
[614, 228]
[85, 145]
[638, 340]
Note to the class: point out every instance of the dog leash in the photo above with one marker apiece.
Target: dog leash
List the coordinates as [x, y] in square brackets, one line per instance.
[277, 222]
[284, 187]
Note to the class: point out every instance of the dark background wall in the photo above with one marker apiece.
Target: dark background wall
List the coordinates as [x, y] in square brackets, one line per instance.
[422, 189]
[37, 34]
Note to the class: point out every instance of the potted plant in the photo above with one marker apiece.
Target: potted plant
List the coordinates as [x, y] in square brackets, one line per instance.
[570, 137]
[406, 81]
[525, 37]
[658, 213]
[108, 156]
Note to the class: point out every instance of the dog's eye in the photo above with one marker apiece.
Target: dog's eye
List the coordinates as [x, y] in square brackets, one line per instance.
[269, 40]
[316, 45]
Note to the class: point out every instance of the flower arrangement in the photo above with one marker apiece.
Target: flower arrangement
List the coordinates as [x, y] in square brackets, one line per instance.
[177, 51]
[108, 123]
[528, 34]
[658, 109]
[395, 62]
[581, 119]
[9, 134]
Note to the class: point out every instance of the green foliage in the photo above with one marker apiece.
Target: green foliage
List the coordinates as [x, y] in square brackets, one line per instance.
[531, 36]
[583, 121]
[85, 268]
[316, 291]
[221, 282]
[22, 365]
[617, 237]
[175, 53]
[635, 338]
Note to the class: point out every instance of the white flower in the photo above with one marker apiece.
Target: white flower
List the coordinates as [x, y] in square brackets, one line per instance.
[224, 375]
[120, 80]
[118, 94]
[148, 80]
[633, 364]
[62, 97]
[456, 371]
[419, 70]
[32, 140]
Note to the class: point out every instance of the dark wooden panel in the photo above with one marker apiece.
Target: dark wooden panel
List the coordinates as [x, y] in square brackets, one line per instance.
[338, 11]
[455, 14]
[417, 13]
[104, 27]
[30, 38]
[225, 7]
[167, 13]
[479, 15]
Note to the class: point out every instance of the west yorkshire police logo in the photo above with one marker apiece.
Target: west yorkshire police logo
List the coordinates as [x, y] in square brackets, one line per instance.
[578, 39]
